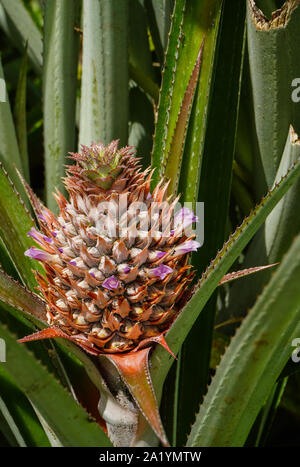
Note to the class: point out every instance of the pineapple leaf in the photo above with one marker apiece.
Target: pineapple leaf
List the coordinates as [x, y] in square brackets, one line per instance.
[214, 191]
[134, 371]
[167, 90]
[9, 427]
[61, 46]
[159, 16]
[22, 415]
[14, 225]
[20, 115]
[27, 30]
[272, 71]
[104, 87]
[244, 273]
[140, 60]
[17, 296]
[174, 156]
[201, 20]
[9, 150]
[33, 308]
[253, 360]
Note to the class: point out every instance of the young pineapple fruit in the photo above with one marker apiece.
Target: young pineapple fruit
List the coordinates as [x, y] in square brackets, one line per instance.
[116, 256]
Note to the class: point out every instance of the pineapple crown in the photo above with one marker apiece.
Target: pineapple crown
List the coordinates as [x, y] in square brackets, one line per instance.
[107, 167]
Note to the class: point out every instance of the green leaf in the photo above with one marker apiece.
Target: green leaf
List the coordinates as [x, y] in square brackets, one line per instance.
[253, 361]
[9, 150]
[268, 412]
[167, 90]
[192, 375]
[273, 240]
[272, 71]
[191, 23]
[104, 86]
[6, 263]
[15, 222]
[9, 427]
[159, 15]
[27, 31]
[140, 59]
[141, 124]
[68, 421]
[17, 296]
[202, 20]
[23, 418]
[61, 46]
[282, 225]
[174, 156]
[20, 115]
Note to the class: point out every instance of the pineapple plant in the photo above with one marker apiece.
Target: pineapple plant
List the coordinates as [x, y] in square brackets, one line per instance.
[138, 321]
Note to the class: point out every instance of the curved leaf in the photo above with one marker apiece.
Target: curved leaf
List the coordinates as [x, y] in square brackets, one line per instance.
[61, 44]
[15, 222]
[27, 31]
[104, 86]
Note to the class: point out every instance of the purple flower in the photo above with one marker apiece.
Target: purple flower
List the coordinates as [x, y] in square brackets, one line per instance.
[161, 271]
[36, 253]
[73, 263]
[93, 275]
[127, 269]
[36, 235]
[187, 247]
[60, 250]
[111, 283]
[184, 217]
[161, 254]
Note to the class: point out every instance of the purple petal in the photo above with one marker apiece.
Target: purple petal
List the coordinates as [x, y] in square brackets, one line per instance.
[161, 271]
[34, 234]
[37, 236]
[54, 234]
[93, 275]
[187, 247]
[126, 269]
[35, 253]
[161, 254]
[60, 250]
[184, 217]
[111, 283]
[73, 263]
[40, 216]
